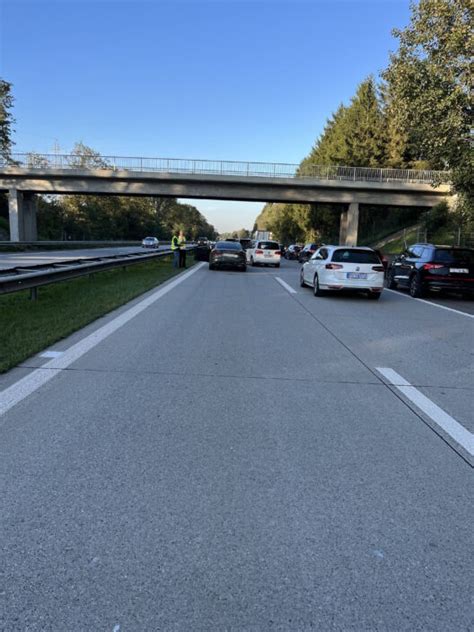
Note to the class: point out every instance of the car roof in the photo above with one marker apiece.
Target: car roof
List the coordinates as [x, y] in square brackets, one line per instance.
[349, 248]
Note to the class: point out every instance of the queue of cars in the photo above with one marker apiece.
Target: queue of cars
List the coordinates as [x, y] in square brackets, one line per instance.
[421, 268]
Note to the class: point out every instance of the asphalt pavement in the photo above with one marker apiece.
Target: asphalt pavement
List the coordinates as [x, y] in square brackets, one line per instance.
[39, 257]
[228, 453]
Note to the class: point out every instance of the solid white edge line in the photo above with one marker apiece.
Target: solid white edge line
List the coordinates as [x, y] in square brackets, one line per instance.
[287, 287]
[422, 300]
[34, 380]
[51, 354]
[453, 428]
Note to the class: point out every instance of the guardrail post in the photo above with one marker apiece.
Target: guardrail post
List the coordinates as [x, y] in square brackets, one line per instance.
[33, 293]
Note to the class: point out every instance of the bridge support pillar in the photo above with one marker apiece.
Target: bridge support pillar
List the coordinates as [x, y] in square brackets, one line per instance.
[343, 229]
[349, 226]
[22, 207]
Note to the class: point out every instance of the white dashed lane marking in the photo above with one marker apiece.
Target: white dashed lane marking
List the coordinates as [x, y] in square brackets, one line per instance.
[287, 287]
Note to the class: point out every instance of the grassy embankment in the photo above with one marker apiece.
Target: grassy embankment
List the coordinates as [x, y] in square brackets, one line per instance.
[441, 236]
[27, 327]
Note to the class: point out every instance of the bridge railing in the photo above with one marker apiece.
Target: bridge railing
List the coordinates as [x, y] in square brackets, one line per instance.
[223, 167]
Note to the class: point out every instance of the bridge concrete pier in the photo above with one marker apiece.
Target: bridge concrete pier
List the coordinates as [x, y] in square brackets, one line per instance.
[349, 226]
[22, 210]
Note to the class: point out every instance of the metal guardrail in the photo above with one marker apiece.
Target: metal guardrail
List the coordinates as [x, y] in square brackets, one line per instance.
[223, 167]
[31, 277]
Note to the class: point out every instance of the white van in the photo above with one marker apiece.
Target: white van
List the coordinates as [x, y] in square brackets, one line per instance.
[264, 253]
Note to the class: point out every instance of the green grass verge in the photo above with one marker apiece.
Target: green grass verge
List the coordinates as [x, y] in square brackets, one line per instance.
[398, 245]
[27, 327]
[443, 236]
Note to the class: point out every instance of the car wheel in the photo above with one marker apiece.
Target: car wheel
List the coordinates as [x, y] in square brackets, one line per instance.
[277, 265]
[211, 267]
[391, 282]
[302, 281]
[374, 296]
[316, 289]
[416, 288]
[252, 262]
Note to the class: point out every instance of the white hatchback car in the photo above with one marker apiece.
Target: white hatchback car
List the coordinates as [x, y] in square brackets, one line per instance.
[264, 253]
[335, 268]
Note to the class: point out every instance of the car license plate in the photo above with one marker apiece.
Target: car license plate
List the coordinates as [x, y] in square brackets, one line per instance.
[459, 270]
[356, 275]
[268, 254]
[233, 256]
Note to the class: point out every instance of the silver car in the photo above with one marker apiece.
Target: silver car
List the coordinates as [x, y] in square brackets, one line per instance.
[150, 242]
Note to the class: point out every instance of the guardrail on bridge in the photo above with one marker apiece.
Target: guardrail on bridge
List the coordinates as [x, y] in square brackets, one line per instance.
[223, 168]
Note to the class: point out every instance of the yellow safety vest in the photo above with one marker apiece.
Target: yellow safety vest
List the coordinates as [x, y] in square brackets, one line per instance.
[174, 243]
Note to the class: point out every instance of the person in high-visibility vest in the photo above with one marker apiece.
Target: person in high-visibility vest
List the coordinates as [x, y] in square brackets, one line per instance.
[182, 249]
[175, 249]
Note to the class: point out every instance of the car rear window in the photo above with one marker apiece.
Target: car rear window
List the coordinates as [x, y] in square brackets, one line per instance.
[228, 245]
[268, 245]
[245, 243]
[452, 255]
[352, 255]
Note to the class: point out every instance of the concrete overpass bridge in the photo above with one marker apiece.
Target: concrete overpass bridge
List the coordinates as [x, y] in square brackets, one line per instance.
[25, 176]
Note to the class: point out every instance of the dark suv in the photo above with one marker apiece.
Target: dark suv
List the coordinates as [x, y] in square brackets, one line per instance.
[307, 252]
[425, 267]
[202, 249]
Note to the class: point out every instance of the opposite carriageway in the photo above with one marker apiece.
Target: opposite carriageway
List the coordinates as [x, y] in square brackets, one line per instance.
[26, 175]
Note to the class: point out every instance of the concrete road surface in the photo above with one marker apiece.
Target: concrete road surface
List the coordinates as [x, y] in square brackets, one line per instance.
[34, 258]
[234, 454]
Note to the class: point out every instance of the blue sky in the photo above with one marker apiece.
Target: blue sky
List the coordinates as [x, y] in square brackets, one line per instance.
[222, 79]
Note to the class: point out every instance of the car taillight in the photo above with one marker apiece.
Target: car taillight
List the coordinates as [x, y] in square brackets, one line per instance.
[333, 266]
[432, 266]
[259, 252]
[277, 252]
[378, 268]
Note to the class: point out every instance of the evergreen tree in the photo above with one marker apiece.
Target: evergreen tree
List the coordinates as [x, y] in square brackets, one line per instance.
[428, 87]
[6, 120]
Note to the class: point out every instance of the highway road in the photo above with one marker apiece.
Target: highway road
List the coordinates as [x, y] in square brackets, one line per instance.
[35, 257]
[229, 452]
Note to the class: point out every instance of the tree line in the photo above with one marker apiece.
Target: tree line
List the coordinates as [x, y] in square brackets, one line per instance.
[417, 115]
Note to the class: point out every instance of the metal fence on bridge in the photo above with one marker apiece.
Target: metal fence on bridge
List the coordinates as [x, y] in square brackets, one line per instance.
[223, 167]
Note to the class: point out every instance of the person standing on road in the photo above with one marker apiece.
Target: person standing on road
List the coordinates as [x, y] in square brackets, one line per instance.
[176, 251]
[182, 249]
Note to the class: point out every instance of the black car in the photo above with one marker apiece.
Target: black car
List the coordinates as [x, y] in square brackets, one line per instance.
[307, 252]
[427, 267]
[292, 251]
[227, 254]
[202, 249]
[245, 242]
